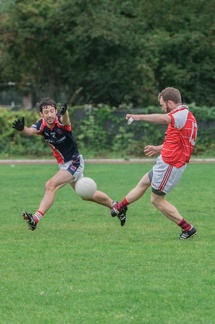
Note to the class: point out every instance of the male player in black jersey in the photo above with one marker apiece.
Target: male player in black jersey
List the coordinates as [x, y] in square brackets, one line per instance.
[57, 132]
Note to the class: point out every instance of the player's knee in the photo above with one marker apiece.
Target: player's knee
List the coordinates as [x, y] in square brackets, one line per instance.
[50, 185]
[156, 200]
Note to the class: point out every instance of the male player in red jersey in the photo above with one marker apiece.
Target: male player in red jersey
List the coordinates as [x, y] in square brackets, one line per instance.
[174, 155]
[57, 132]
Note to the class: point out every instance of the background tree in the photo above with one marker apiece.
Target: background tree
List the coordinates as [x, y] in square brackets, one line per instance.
[115, 51]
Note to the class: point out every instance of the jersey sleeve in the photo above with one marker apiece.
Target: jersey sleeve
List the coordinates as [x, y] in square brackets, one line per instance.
[179, 118]
[38, 127]
[66, 127]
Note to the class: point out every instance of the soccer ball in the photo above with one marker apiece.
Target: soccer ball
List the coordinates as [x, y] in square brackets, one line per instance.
[85, 187]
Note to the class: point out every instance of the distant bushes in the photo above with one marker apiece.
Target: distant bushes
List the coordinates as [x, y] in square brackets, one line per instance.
[102, 131]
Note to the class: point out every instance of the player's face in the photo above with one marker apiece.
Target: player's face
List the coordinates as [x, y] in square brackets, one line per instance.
[49, 113]
[165, 105]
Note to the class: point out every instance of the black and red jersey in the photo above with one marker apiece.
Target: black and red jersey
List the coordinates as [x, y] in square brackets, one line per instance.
[59, 138]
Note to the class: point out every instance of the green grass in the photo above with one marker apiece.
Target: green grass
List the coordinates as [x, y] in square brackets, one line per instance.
[80, 266]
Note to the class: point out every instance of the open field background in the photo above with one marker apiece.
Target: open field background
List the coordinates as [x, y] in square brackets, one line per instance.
[80, 266]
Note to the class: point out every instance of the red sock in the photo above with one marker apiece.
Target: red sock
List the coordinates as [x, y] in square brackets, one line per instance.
[122, 204]
[184, 225]
[37, 216]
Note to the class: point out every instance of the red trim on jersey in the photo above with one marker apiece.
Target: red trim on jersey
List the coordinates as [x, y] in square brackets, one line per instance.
[56, 122]
[43, 124]
[59, 138]
[58, 156]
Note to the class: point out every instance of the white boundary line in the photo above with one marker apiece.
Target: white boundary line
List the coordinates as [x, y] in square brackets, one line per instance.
[99, 161]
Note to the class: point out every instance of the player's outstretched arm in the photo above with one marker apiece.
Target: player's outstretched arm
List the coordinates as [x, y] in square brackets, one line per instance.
[64, 115]
[19, 124]
[152, 118]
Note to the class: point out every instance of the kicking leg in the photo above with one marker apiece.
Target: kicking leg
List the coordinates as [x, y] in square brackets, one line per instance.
[60, 179]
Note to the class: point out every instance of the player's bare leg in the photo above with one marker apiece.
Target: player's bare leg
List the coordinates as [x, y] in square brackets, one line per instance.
[166, 208]
[135, 194]
[172, 213]
[60, 179]
[101, 198]
[138, 191]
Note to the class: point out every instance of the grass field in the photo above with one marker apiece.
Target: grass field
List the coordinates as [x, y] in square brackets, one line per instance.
[81, 266]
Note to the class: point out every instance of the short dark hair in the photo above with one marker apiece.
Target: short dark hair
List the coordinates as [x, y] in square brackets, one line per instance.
[170, 94]
[47, 102]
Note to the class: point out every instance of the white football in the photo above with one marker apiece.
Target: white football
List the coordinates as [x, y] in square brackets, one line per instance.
[85, 187]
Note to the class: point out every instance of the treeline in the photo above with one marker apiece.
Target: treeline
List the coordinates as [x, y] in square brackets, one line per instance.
[109, 51]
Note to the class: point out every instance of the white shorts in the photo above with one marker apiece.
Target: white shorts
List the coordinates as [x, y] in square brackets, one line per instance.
[164, 177]
[75, 167]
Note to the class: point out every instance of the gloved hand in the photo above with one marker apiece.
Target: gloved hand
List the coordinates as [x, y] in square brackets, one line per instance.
[19, 124]
[63, 109]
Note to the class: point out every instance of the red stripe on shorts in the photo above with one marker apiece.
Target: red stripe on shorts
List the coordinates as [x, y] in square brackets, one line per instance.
[165, 178]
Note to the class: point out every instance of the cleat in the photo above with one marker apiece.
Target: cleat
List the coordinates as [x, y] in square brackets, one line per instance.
[114, 211]
[187, 234]
[121, 214]
[32, 225]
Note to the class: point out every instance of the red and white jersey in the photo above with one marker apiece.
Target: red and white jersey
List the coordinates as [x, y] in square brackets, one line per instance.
[180, 137]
